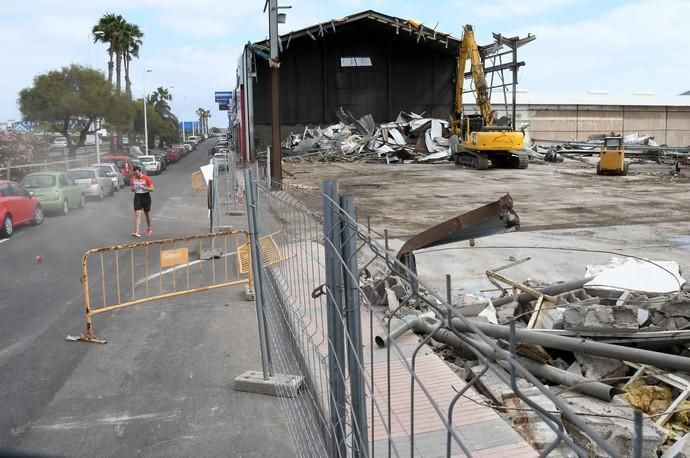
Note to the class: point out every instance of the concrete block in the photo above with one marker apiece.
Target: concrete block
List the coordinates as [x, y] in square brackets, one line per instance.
[596, 367]
[286, 386]
[600, 317]
[248, 293]
[615, 427]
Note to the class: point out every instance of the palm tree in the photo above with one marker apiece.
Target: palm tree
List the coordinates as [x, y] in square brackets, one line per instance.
[131, 44]
[203, 119]
[106, 31]
[159, 99]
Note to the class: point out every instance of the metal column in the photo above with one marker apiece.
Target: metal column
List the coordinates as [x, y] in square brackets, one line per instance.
[252, 198]
[336, 350]
[348, 251]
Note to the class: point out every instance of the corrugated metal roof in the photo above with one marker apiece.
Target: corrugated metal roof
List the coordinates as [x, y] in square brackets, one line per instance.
[414, 28]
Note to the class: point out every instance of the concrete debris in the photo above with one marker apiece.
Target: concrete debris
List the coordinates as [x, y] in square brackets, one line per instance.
[597, 368]
[411, 138]
[593, 317]
[624, 274]
[612, 421]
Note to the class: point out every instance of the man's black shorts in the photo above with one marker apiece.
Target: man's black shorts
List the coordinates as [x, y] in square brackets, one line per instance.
[142, 202]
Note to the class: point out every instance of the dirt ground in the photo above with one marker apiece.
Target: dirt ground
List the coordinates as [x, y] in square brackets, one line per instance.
[570, 217]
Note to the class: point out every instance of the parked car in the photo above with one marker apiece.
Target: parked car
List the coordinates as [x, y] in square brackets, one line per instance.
[56, 191]
[191, 144]
[217, 147]
[116, 175]
[193, 138]
[220, 160]
[124, 163]
[93, 181]
[17, 206]
[173, 155]
[59, 142]
[151, 164]
[162, 161]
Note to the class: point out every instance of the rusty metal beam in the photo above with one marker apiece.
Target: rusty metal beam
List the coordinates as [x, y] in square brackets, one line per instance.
[494, 218]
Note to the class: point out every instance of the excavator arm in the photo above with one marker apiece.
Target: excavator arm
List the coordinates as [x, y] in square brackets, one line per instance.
[470, 50]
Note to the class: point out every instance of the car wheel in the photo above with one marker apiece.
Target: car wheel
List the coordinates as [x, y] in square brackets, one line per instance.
[65, 207]
[100, 194]
[112, 191]
[38, 216]
[82, 201]
[7, 227]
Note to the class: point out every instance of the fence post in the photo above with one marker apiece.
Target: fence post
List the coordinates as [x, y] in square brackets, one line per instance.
[348, 251]
[9, 169]
[255, 250]
[336, 350]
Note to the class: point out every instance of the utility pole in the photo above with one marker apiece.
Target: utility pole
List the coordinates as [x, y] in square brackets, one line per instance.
[146, 124]
[274, 63]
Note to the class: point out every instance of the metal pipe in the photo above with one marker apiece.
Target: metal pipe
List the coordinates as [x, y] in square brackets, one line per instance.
[578, 383]
[405, 324]
[558, 288]
[579, 345]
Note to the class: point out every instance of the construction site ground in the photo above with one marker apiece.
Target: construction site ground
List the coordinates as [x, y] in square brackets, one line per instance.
[570, 217]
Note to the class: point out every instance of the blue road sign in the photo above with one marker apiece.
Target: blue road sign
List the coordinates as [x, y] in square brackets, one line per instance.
[223, 96]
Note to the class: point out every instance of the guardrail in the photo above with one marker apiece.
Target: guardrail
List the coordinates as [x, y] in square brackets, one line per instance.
[126, 275]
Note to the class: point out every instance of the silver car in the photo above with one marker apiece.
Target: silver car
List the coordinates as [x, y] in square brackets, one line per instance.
[93, 181]
[115, 174]
[151, 164]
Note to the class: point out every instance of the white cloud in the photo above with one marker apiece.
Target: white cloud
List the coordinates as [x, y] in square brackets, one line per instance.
[634, 47]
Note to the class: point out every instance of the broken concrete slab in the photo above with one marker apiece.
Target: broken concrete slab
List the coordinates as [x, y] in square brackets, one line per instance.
[599, 368]
[592, 317]
[621, 274]
[612, 421]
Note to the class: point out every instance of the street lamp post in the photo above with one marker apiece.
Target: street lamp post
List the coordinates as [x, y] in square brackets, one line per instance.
[98, 139]
[146, 124]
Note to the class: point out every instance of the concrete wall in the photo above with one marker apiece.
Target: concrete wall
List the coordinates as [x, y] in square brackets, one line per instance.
[668, 125]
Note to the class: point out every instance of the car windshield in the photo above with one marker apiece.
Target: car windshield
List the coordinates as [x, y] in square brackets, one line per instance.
[39, 181]
[78, 174]
[104, 169]
[147, 159]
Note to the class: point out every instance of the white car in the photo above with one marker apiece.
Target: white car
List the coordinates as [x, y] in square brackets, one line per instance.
[115, 174]
[151, 164]
[59, 142]
[193, 138]
[220, 160]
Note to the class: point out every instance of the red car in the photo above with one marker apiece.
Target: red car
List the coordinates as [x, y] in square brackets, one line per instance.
[17, 206]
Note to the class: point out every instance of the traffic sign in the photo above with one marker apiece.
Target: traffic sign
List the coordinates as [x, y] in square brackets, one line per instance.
[223, 96]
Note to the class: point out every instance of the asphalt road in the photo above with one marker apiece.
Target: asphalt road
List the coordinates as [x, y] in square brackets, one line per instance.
[41, 303]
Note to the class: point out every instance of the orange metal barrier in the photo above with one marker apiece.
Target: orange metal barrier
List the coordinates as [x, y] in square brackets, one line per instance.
[125, 275]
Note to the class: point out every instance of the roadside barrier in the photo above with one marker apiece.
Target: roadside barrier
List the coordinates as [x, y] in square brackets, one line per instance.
[125, 275]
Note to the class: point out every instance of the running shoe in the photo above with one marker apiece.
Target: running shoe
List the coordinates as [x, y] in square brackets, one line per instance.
[149, 231]
[136, 234]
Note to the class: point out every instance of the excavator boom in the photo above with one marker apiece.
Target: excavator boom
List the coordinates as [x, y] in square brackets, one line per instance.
[478, 142]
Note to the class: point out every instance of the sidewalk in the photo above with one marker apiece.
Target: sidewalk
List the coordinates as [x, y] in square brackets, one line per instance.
[163, 385]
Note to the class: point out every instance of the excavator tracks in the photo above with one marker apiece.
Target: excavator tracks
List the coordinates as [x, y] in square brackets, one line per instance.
[503, 160]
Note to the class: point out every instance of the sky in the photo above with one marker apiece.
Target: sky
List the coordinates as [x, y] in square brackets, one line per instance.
[192, 47]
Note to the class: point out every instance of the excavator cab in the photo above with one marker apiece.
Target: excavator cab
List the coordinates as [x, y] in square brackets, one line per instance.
[612, 157]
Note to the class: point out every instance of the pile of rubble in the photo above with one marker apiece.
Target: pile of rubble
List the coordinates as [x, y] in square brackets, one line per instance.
[613, 340]
[411, 138]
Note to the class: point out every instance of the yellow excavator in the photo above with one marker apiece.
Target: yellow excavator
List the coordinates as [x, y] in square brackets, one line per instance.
[476, 142]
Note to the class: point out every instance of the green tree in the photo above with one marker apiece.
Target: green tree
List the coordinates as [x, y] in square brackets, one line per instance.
[159, 100]
[73, 99]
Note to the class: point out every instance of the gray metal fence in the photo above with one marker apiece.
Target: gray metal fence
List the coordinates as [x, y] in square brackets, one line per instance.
[327, 293]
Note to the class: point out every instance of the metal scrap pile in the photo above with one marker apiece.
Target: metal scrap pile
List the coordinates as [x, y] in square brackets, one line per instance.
[641, 144]
[411, 138]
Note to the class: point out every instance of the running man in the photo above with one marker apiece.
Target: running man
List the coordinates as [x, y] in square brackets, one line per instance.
[142, 186]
